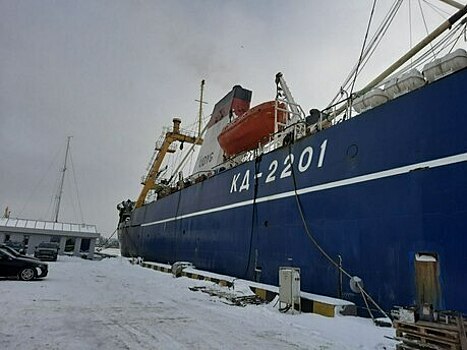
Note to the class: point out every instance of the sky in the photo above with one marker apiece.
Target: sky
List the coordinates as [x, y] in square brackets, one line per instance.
[113, 73]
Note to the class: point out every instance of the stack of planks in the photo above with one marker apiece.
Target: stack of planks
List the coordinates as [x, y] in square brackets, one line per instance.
[448, 332]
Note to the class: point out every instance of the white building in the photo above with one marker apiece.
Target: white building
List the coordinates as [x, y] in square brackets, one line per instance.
[72, 238]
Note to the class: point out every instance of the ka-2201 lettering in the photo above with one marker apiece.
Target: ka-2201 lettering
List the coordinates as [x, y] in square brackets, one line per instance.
[241, 182]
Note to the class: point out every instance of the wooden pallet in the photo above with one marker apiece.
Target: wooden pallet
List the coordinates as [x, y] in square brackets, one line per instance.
[429, 335]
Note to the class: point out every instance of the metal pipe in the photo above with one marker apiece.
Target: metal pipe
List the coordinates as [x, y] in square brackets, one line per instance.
[453, 3]
[432, 36]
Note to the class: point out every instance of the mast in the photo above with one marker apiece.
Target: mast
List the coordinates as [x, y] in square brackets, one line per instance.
[58, 198]
[200, 132]
[200, 113]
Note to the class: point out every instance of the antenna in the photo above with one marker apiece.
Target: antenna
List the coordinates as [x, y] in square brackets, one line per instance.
[58, 197]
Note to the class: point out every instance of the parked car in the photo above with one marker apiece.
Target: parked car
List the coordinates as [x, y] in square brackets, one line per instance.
[26, 269]
[18, 246]
[15, 252]
[47, 251]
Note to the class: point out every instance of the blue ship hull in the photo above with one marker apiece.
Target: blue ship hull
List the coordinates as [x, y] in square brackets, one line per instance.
[375, 190]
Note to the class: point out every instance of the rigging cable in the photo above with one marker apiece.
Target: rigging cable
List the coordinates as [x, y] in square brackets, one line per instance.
[363, 46]
[366, 302]
[373, 44]
[182, 162]
[410, 28]
[190, 165]
[39, 184]
[463, 31]
[53, 199]
[437, 9]
[381, 32]
[321, 250]
[70, 198]
[437, 48]
[76, 188]
[107, 240]
[426, 26]
[175, 160]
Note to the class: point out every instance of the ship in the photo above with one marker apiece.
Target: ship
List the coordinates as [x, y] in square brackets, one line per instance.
[373, 203]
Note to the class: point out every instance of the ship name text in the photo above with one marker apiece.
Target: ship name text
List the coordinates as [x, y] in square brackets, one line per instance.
[280, 170]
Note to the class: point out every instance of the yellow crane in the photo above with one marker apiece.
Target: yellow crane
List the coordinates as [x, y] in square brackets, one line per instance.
[149, 182]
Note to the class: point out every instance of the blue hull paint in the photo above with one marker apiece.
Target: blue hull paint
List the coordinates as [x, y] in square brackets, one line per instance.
[376, 225]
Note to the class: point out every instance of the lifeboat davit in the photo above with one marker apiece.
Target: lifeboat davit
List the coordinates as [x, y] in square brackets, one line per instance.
[251, 129]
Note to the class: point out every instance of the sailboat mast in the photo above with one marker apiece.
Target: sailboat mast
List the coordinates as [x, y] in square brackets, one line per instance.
[62, 180]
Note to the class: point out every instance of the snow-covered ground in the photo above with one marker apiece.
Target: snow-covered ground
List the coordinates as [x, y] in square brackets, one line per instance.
[110, 251]
[111, 304]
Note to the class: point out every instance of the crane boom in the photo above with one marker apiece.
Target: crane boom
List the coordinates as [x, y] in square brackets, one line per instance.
[170, 137]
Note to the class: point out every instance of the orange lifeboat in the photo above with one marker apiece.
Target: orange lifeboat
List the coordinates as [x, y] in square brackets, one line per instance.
[250, 129]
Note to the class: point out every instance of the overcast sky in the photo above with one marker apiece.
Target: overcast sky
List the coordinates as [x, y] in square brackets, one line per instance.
[113, 73]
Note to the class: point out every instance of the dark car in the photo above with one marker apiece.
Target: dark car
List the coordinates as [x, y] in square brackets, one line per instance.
[18, 246]
[24, 268]
[47, 251]
[15, 252]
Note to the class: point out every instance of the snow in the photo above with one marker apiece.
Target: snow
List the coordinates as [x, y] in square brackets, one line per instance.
[111, 304]
[110, 251]
[425, 258]
[275, 289]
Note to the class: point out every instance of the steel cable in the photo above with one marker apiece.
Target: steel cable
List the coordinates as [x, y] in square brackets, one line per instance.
[363, 46]
[75, 181]
[321, 250]
[373, 44]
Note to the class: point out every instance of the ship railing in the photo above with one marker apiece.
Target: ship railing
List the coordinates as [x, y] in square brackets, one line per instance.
[274, 141]
[189, 133]
[294, 115]
[200, 176]
[293, 110]
[249, 155]
[158, 145]
[287, 135]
